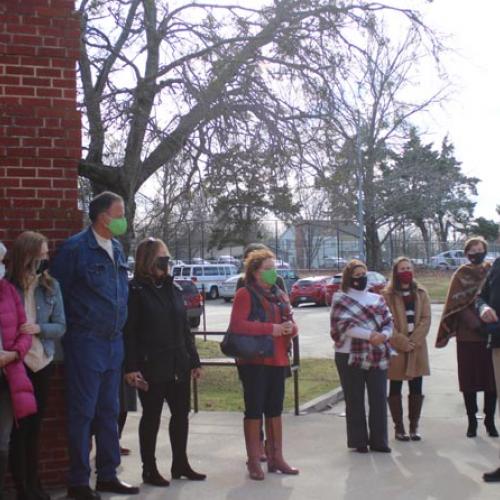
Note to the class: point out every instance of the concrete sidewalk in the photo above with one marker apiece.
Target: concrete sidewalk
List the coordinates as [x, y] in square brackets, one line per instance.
[445, 465]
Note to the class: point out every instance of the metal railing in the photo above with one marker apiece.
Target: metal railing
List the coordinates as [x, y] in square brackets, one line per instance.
[294, 367]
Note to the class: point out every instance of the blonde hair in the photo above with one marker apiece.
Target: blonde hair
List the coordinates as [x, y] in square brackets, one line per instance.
[348, 272]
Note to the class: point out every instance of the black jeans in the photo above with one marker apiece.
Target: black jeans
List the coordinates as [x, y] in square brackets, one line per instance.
[25, 439]
[263, 390]
[396, 386]
[177, 394]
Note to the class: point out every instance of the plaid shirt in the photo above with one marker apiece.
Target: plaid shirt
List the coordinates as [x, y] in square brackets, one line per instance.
[347, 313]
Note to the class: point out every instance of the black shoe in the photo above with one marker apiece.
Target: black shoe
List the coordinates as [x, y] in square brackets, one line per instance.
[362, 449]
[154, 478]
[492, 477]
[83, 493]
[402, 437]
[188, 473]
[472, 428]
[381, 449]
[490, 428]
[116, 486]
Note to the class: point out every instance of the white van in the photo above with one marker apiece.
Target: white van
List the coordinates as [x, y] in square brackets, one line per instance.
[209, 275]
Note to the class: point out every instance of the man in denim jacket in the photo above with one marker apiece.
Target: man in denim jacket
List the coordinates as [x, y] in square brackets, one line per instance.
[92, 270]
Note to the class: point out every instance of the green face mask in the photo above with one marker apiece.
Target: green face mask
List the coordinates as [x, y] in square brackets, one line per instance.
[118, 226]
[269, 276]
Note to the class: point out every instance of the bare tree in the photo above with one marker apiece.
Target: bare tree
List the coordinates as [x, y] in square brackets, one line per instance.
[162, 77]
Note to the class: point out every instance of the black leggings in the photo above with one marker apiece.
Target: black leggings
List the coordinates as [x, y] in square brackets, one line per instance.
[396, 386]
[263, 390]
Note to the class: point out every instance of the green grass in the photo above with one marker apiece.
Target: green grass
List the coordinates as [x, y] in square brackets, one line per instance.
[436, 283]
[220, 388]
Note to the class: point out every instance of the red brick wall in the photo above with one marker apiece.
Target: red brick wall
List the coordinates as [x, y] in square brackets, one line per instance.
[40, 145]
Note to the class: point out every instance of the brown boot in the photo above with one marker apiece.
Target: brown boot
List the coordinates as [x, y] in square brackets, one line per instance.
[415, 402]
[396, 406]
[251, 427]
[274, 448]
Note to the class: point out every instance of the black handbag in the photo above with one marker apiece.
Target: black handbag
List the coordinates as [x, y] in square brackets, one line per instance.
[247, 346]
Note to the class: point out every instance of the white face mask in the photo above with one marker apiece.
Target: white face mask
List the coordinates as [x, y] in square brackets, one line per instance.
[2, 270]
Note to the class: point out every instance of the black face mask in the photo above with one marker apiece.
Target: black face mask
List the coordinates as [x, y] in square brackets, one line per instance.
[477, 258]
[359, 283]
[42, 266]
[162, 263]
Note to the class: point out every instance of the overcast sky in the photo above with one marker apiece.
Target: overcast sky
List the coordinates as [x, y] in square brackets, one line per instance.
[472, 118]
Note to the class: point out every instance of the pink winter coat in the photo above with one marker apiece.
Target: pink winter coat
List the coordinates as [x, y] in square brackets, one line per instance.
[12, 316]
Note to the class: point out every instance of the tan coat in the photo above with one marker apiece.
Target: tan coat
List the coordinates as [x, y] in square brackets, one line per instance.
[409, 364]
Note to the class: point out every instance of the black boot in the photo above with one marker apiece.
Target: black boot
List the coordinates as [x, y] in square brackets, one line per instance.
[3, 471]
[490, 402]
[178, 430]
[396, 406]
[151, 475]
[471, 407]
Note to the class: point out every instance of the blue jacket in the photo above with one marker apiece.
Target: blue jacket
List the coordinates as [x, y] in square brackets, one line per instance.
[49, 316]
[94, 288]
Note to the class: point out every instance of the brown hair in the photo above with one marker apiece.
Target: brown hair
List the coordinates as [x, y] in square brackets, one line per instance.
[22, 257]
[348, 271]
[254, 261]
[474, 240]
[145, 256]
[394, 283]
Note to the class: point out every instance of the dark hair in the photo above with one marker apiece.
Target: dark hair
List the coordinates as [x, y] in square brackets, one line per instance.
[254, 261]
[23, 257]
[474, 241]
[100, 203]
[251, 247]
[348, 271]
[145, 257]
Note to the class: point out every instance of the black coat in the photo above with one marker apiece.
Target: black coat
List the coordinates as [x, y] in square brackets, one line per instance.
[490, 295]
[158, 340]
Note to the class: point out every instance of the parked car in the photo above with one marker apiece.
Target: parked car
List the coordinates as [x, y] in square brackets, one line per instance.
[449, 260]
[289, 276]
[229, 259]
[334, 262]
[228, 289]
[376, 283]
[210, 276]
[281, 264]
[309, 290]
[332, 286]
[193, 301]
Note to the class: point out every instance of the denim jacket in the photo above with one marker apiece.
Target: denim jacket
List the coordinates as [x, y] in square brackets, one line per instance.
[49, 316]
[94, 288]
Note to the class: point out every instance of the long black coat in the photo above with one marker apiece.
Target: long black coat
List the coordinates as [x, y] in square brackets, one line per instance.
[158, 340]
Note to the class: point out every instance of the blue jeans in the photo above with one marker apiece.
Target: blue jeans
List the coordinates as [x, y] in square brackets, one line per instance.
[93, 373]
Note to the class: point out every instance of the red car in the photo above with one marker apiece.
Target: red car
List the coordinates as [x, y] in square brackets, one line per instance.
[376, 283]
[309, 290]
[193, 300]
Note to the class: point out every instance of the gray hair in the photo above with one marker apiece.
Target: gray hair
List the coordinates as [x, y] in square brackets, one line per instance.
[3, 250]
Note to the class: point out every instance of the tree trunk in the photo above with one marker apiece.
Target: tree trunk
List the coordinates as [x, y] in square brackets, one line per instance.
[426, 237]
[373, 255]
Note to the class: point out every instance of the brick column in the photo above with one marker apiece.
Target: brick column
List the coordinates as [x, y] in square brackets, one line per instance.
[40, 145]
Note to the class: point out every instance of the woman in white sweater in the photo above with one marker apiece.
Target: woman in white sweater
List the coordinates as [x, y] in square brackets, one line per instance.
[361, 325]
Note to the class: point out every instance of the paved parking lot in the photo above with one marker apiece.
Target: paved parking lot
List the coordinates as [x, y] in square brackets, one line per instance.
[313, 321]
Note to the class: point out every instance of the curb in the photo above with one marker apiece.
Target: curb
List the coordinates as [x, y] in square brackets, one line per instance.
[323, 402]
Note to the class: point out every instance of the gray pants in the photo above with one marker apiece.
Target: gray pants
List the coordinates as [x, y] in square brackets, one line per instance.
[354, 380]
[6, 416]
